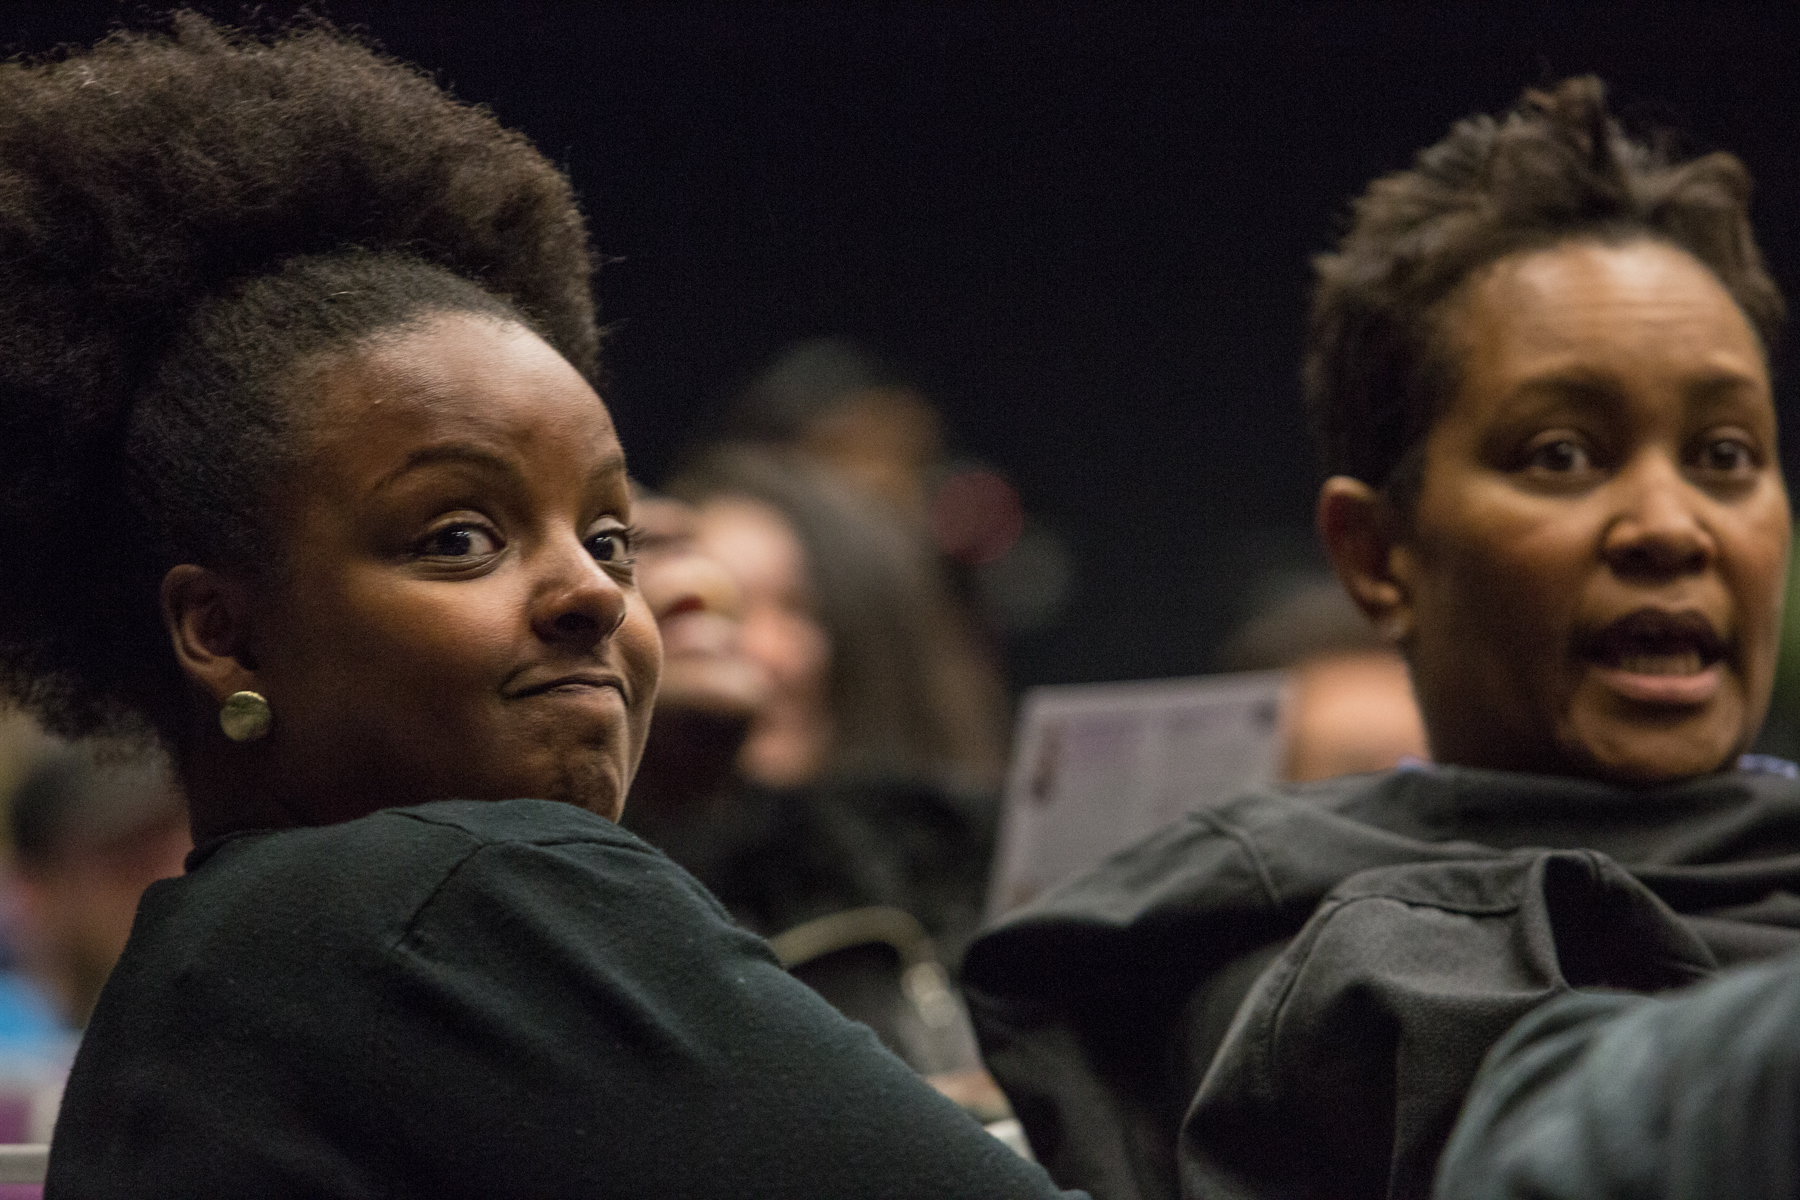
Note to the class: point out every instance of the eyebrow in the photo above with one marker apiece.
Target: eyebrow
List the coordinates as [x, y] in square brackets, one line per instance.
[1588, 389]
[472, 454]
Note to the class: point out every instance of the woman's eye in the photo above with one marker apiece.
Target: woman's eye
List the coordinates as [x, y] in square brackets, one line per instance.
[1727, 456]
[462, 540]
[1564, 456]
[611, 546]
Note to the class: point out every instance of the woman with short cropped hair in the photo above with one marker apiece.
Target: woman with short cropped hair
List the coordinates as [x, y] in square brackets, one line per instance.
[1538, 371]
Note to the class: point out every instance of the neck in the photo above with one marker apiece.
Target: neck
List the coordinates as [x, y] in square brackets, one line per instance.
[227, 790]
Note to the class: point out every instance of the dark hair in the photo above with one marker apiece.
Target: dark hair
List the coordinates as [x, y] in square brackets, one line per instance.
[882, 603]
[805, 382]
[1558, 167]
[186, 221]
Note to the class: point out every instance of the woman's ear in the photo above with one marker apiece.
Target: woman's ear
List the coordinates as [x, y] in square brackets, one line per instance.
[1360, 531]
[206, 615]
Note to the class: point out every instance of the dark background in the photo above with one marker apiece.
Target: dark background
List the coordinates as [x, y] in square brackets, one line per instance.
[1085, 227]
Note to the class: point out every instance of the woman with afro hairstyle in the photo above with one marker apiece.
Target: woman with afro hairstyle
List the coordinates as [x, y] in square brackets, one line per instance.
[1538, 369]
[306, 476]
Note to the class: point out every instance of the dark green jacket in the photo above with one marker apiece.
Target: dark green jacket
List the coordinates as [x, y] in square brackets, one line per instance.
[483, 1000]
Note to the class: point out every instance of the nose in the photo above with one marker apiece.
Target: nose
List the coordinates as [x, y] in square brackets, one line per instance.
[576, 602]
[1660, 531]
[687, 581]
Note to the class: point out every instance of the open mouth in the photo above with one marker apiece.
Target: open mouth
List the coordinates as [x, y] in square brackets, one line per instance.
[1659, 657]
[1654, 642]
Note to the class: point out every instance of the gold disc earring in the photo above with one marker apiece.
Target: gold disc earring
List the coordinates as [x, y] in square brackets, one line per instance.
[245, 717]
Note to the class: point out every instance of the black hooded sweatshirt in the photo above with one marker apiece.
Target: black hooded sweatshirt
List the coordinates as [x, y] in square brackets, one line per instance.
[1289, 994]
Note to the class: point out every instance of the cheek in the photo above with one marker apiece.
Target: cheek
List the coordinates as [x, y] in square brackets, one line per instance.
[1500, 590]
[1770, 538]
[792, 648]
[811, 655]
[1756, 564]
[440, 645]
[641, 648]
[661, 580]
[444, 641]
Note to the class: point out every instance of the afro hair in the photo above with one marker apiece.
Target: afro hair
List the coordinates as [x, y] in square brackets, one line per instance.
[181, 215]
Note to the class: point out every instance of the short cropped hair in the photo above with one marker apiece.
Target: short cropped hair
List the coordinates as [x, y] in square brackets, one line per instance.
[1558, 167]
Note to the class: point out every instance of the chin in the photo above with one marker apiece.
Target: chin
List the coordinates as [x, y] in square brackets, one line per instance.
[1646, 758]
[609, 804]
[710, 689]
[591, 782]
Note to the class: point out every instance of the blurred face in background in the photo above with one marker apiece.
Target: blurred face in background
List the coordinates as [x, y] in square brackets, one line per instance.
[1350, 713]
[888, 441]
[699, 612]
[101, 835]
[790, 738]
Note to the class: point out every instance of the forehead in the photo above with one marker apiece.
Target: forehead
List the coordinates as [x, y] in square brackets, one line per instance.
[456, 379]
[754, 540]
[1640, 318]
[662, 516]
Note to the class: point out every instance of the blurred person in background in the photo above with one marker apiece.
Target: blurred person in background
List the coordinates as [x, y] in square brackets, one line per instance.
[790, 740]
[29, 1020]
[871, 774]
[711, 689]
[22, 742]
[1350, 706]
[841, 404]
[857, 413]
[735, 809]
[683, 799]
[92, 827]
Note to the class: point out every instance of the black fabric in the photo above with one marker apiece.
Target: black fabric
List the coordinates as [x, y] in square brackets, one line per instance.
[483, 1000]
[1602, 1096]
[778, 857]
[1288, 994]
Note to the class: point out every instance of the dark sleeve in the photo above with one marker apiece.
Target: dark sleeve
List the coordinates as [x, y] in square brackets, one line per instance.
[581, 1018]
[1692, 1097]
[1345, 1066]
[1094, 1003]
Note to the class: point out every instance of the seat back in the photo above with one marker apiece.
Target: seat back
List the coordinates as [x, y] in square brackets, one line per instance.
[877, 965]
[22, 1171]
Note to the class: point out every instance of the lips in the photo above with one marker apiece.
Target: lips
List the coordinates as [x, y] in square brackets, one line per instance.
[1659, 657]
[574, 681]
